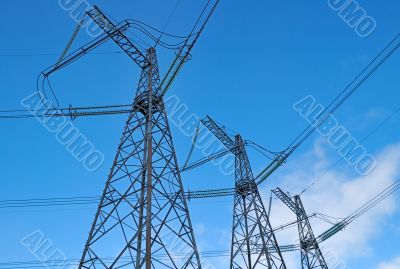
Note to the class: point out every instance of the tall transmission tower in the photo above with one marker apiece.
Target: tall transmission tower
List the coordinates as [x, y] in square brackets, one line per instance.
[138, 219]
[143, 218]
[311, 254]
[254, 244]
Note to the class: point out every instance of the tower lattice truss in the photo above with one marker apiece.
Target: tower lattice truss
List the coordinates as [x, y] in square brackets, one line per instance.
[143, 219]
[254, 245]
[311, 254]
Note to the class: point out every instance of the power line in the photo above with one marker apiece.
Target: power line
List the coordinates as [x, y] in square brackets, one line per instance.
[54, 54]
[365, 138]
[168, 21]
[210, 254]
[87, 200]
[344, 95]
[375, 200]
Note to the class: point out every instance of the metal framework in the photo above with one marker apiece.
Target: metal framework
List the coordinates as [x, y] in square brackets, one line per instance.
[311, 255]
[138, 219]
[254, 243]
[143, 217]
[119, 37]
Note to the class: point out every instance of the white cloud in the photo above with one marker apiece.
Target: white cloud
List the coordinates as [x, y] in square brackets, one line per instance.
[395, 264]
[339, 193]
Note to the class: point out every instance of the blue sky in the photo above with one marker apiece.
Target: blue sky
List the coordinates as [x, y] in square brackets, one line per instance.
[253, 62]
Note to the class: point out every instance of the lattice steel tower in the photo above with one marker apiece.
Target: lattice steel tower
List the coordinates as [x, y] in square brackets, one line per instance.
[311, 255]
[253, 241]
[143, 219]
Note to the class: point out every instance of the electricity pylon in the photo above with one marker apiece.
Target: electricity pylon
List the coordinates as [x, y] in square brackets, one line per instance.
[311, 254]
[253, 241]
[143, 218]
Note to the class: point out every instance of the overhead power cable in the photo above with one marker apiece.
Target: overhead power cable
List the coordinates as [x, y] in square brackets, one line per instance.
[374, 201]
[371, 203]
[168, 20]
[54, 54]
[85, 200]
[365, 138]
[52, 263]
[72, 112]
[343, 96]
[338, 227]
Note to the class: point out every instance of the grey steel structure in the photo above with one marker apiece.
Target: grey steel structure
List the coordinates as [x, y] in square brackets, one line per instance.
[253, 241]
[138, 220]
[311, 255]
[142, 219]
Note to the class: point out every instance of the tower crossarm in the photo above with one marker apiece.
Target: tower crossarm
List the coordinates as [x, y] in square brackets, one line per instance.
[119, 37]
[243, 170]
[219, 133]
[75, 55]
[286, 200]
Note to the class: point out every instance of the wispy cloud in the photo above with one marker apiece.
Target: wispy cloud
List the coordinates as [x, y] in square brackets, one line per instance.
[395, 264]
[338, 194]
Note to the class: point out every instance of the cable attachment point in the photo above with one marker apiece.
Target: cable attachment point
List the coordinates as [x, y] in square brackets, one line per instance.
[185, 57]
[72, 112]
